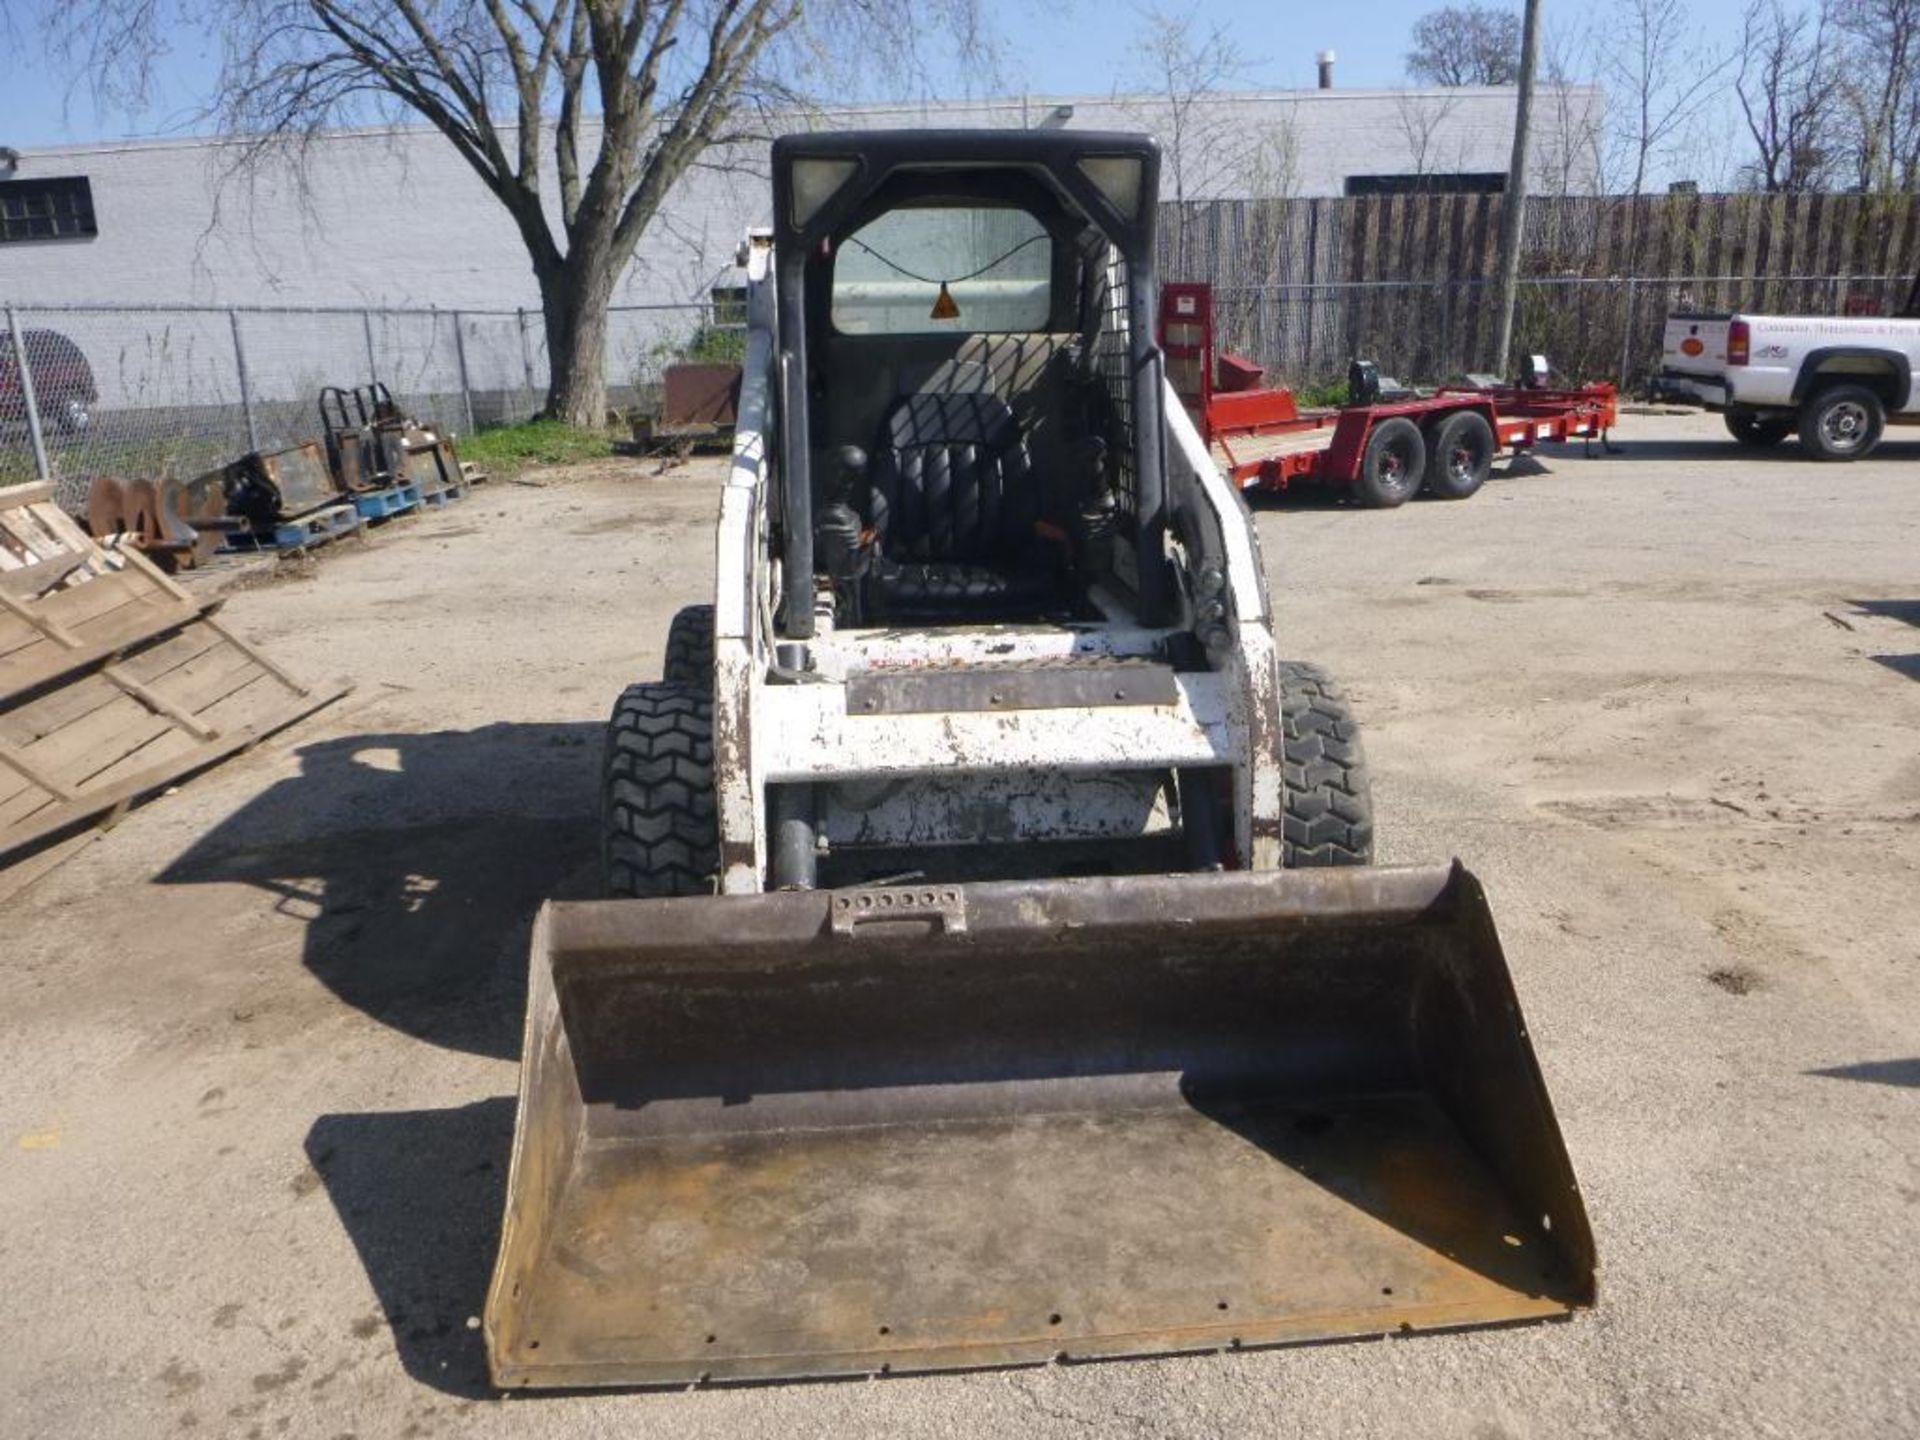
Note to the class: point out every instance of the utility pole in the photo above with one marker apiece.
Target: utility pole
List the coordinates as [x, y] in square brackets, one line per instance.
[1514, 211]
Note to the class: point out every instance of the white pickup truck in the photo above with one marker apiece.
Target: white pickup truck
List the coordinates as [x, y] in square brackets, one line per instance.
[1837, 382]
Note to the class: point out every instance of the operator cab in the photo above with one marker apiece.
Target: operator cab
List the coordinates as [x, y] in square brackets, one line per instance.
[970, 387]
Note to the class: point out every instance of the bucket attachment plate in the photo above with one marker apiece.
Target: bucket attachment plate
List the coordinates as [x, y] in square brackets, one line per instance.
[927, 1128]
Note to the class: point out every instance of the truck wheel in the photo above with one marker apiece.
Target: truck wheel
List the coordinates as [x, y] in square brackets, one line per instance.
[1394, 466]
[690, 648]
[1329, 801]
[1750, 427]
[1461, 455]
[659, 832]
[1842, 422]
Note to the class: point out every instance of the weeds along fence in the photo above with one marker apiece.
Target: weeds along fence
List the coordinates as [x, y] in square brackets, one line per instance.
[179, 390]
[1407, 280]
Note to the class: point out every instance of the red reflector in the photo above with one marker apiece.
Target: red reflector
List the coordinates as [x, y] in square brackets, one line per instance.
[1737, 343]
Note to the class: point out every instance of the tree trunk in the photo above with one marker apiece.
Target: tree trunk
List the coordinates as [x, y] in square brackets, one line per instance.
[575, 307]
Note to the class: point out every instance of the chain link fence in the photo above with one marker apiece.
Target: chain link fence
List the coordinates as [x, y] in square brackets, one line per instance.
[149, 392]
[130, 392]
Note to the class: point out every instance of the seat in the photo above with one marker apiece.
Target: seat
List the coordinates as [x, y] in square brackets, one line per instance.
[955, 510]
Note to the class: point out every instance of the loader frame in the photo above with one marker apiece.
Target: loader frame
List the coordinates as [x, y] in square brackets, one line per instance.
[781, 714]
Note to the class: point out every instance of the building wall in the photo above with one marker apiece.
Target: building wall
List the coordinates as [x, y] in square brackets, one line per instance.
[392, 218]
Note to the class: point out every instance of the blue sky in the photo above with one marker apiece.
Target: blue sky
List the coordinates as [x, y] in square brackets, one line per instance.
[1081, 47]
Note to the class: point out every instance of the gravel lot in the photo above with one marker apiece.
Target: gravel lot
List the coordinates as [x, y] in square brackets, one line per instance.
[259, 1039]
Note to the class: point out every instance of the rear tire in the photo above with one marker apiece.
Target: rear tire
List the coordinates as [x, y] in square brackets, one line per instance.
[1394, 466]
[659, 833]
[690, 648]
[1752, 428]
[1461, 456]
[1329, 800]
[1842, 422]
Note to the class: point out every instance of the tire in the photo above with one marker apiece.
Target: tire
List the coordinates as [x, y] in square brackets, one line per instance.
[1842, 422]
[71, 417]
[1395, 465]
[1329, 800]
[659, 833]
[690, 648]
[1461, 455]
[1752, 428]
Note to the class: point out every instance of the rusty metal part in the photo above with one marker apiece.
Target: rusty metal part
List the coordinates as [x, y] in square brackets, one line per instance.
[694, 395]
[936, 1127]
[270, 486]
[173, 521]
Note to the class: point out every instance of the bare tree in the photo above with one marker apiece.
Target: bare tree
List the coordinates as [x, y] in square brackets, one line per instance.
[1423, 122]
[1466, 45]
[1788, 90]
[1882, 89]
[1569, 151]
[1183, 65]
[1662, 75]
[577, 115]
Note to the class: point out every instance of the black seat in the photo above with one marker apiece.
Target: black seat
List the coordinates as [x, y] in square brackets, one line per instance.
[956, 513]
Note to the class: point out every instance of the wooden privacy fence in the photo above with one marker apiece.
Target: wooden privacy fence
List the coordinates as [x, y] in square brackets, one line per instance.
[1407, 280]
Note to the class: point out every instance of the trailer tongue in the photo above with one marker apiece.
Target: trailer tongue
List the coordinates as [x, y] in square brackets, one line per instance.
[949, 1126]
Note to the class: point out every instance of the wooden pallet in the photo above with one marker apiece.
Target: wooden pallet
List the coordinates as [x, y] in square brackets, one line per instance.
[66, 601]
[444, 496]
[304, 531]
[376, 505]
[114, 682]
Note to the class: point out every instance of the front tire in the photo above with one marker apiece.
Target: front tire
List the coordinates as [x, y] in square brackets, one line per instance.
[1328, 796]
[659, 831]
[1842, 422]
[1395, 465]
[1461, 456]
[690, 648]
[1759, 431]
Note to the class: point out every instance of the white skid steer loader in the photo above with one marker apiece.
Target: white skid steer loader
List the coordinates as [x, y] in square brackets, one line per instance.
[996, 973]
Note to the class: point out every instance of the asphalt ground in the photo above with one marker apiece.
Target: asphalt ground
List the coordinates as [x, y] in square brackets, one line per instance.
[259, 1038]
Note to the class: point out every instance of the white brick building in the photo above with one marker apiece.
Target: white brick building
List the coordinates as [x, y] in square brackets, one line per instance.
[393, 218]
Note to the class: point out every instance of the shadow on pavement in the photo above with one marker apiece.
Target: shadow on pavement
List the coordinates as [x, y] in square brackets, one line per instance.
[418, 862]
[420, 1193]
[1905, 611]
[1708, 448]
[1905, 1073]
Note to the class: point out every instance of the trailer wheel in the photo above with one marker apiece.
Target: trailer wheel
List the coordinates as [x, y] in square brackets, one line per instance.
[1461, 455]
[1750, 427]
[690, 648]
[1329, 800]
[1395, 465]
[1842, 422]
[659, 833]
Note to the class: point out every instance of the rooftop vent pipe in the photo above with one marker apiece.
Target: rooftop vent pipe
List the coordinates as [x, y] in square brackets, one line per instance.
[1326, 59]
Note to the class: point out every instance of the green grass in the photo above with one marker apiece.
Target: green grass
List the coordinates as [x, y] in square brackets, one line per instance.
[1328, 394]
[503, 449]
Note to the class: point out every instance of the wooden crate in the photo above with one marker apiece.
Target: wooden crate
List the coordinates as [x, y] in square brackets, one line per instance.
[114, 682]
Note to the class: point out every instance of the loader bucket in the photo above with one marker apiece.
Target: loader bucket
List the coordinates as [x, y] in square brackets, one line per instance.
[859, 1132]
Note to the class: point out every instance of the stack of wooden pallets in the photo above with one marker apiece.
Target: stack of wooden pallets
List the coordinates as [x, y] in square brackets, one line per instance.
[114, 681]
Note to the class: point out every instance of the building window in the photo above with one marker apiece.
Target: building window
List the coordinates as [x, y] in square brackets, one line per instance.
[1458, 182]
[59, 208]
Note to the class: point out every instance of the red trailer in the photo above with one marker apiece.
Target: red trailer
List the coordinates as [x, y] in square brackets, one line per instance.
[1386, 450]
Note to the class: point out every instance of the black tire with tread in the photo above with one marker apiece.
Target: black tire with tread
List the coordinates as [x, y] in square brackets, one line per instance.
[1815, 410]
[660, 834]
[1329, 799]
[1394, 466]
[690, 648]
[1466, 431]
[1758, 431]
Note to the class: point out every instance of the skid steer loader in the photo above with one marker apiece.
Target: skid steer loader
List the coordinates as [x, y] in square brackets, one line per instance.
[996, 974]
